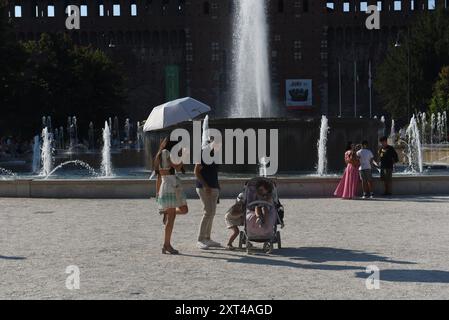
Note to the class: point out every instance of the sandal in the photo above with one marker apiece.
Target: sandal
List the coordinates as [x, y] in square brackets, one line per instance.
[169, 250]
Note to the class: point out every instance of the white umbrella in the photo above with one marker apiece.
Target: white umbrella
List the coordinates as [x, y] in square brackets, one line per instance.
[174, 112]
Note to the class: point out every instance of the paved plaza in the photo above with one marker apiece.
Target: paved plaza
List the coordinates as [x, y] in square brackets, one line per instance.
[328, 244]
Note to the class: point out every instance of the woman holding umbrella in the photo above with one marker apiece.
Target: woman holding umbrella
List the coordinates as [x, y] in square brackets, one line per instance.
[169, 193]
[170, 196]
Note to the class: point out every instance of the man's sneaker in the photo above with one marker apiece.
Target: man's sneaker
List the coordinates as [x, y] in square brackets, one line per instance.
[202, 245]
[212, 244]
[371, 196]
[364, 196]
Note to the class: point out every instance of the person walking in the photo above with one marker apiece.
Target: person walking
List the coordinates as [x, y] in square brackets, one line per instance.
[347, 188]
[208, 189]
[170, 195]
[387, 159]
[366, 158]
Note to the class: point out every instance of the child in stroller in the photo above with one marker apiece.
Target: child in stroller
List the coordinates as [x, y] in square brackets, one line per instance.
[264, 191]
[258, 209]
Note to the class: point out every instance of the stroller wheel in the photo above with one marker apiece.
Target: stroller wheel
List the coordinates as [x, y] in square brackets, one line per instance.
[241, 239]
[268, 247]
[248, 246]
[278, 237]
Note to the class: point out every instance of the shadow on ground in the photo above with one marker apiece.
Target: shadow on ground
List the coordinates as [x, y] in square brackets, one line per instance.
[319, 258]
[423, 276]
[11, 258]
[317, 255]
[325, 254]
[420, 198]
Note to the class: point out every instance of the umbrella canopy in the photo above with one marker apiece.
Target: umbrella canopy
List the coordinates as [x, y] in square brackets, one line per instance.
[174, 112]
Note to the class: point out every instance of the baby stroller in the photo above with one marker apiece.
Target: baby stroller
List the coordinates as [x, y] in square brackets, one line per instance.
[254, 232]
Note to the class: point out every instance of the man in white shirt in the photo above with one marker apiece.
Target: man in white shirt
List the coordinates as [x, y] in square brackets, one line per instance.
[366, 163]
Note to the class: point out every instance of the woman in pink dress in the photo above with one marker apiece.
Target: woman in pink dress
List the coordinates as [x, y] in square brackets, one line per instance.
[347, 188]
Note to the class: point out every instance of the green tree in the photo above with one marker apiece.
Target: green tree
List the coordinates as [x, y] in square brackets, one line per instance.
[427, 47]
[440, 98]
[62, 80]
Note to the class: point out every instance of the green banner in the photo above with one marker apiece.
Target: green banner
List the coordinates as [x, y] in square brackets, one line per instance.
[171, 82]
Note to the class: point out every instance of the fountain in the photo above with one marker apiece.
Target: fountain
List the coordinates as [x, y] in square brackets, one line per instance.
[205, 133]
[263, 162]
[414, 152]
[392, 136]
[56, 139]
[75, 129]
[5, 172]
[106, 165]
[139, 136]
[423, 122]
[251, 64]
[439, 127]
[445, 126]
[383, 120]
[36, 164]
[322, 147]
[79, 163]
[127, 131]
[61, 137]
[46, 153]
[432, 128]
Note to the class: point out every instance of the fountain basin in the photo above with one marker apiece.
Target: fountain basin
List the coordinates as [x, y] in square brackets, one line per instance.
[297, 143]
[288, 186]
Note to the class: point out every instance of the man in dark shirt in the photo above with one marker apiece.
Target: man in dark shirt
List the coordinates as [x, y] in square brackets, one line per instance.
[208, 189]
[387, 158]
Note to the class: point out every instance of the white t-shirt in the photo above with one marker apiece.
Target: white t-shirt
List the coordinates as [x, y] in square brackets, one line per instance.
[365, 157]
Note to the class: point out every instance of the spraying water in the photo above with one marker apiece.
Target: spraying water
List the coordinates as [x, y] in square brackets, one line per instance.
[392, 131]
[127, 130]
[263, 162]
[74, 162]
[322, 147]
[46, 153]
[205, 135]
[382, 119]
[439, 127]
[139, 136]
[36, 165]
[423, 127]
[106, 164]
[4, 172]
[75, 128]
[432, 128]
[415, 156]
[251, 93]
[445, 125]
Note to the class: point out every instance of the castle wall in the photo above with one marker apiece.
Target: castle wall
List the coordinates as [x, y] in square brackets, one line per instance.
[308, 40]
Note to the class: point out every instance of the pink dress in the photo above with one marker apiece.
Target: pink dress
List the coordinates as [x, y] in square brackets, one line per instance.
[347, 188]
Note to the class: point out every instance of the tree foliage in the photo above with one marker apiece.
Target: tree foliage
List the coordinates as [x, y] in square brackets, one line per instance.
[54, 77]
[67, 80]
[427, 47]
[440, 98]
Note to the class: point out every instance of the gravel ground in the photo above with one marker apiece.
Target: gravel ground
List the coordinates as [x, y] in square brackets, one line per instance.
[327, 244]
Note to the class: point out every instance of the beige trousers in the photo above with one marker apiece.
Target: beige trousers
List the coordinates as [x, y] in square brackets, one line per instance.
[209, 201]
